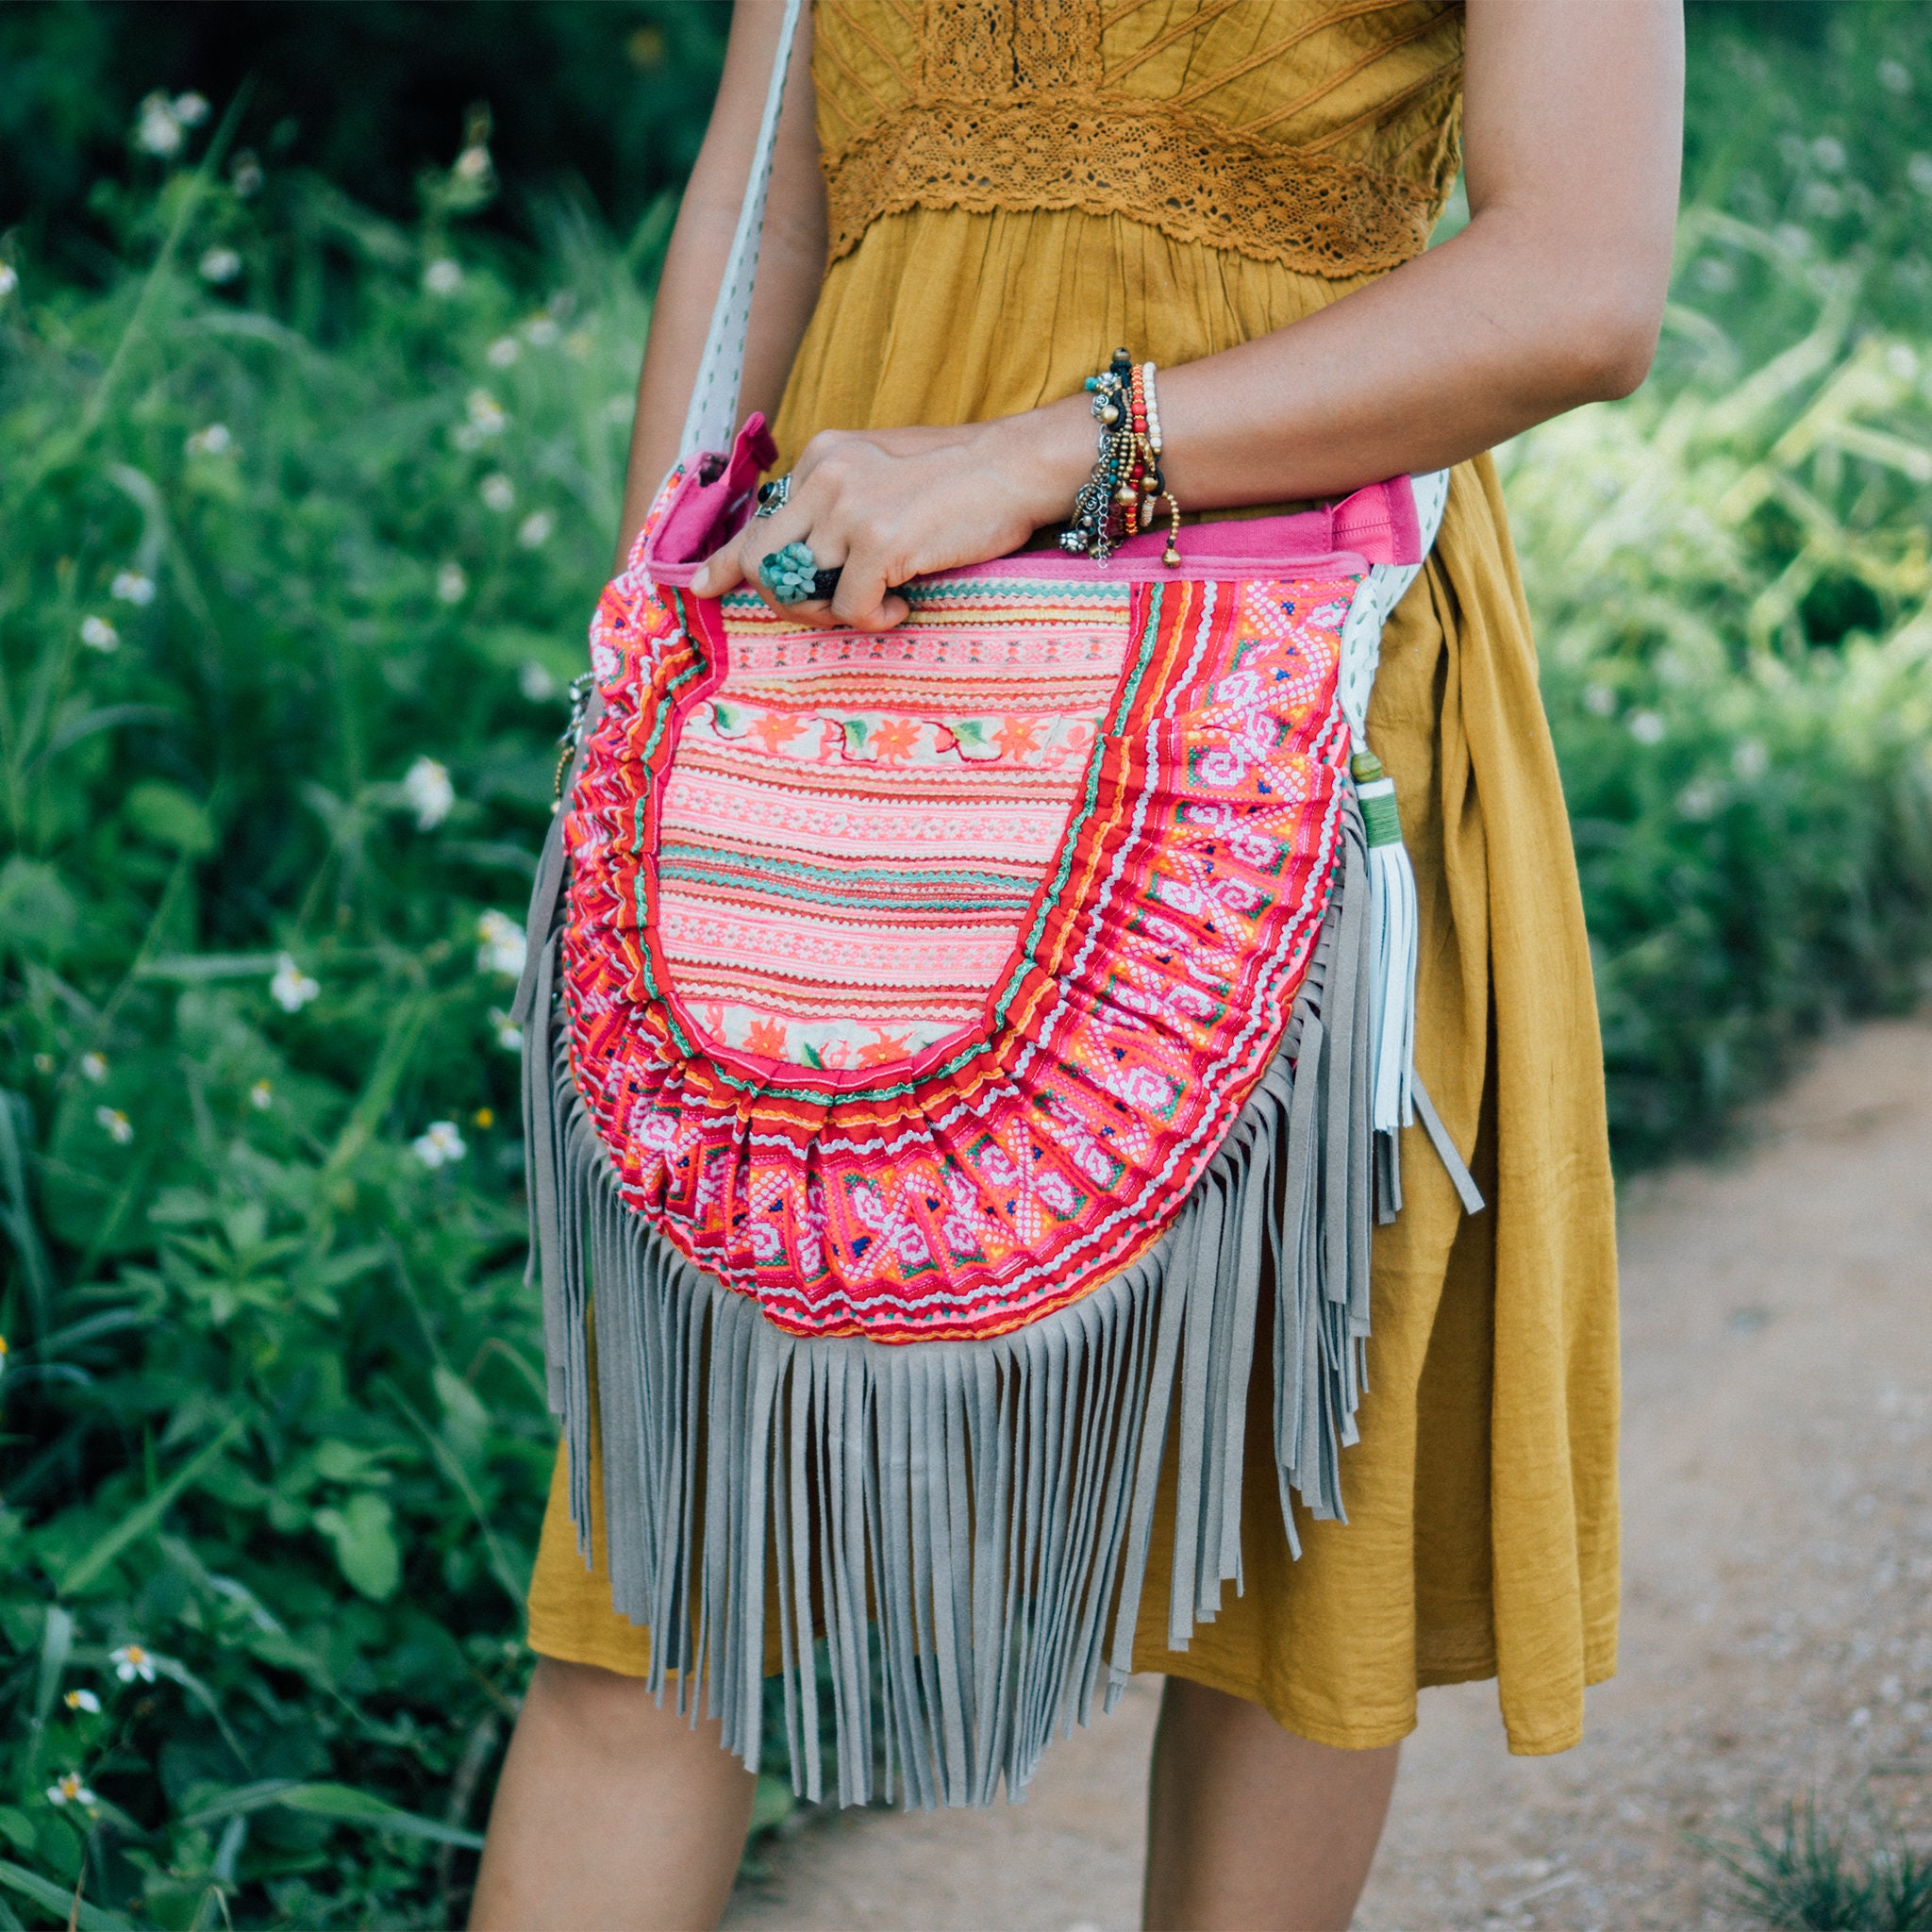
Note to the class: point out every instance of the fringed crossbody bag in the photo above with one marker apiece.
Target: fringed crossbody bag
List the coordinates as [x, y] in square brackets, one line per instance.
[934, 1045]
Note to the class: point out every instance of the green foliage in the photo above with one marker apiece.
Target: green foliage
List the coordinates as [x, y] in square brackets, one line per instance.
[283, 628]
[1729, 575]
[1808, 1875]
[608, 97]
[305, 512]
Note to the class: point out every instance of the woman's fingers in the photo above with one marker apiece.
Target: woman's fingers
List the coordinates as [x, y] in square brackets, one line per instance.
[720, 572]
[788, 529]
[863, 600]
[879, 507]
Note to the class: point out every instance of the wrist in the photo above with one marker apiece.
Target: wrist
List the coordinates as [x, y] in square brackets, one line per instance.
[1045, 456]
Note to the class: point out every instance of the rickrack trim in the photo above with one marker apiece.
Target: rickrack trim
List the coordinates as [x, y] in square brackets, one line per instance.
[1184, 174]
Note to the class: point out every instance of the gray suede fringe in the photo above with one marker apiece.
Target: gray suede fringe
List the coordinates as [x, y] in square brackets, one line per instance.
[986, 1505]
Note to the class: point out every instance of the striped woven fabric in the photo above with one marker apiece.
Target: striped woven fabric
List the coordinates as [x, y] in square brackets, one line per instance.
[913, 982]
[854, 827]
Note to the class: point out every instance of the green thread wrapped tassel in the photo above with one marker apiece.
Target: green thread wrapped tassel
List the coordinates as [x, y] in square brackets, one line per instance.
[1393, 923]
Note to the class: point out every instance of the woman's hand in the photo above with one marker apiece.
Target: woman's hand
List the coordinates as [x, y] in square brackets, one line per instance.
[885, 505]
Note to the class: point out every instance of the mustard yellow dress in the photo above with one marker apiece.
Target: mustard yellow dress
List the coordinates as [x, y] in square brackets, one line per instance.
[1014, 187]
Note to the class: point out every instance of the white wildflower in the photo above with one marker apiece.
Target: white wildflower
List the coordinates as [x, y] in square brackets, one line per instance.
[70, 1790]
[1829, 154]
[1894, 76]
[620, 408]
[94, 1065]
[443, 276]
[158, 131]
[261, 1096]
[1750, 760]
[497, 491]
[472, 164]
[503, 945]
[536, 683]
[220, 265]
[438, 1144]
[509, 1036]
[83, 1700]
[246, 174]
[119, 1128]
[1703, 798]
[290, 987]
[10, 279]
[1599, 701]
[99, 635]
[429, 792]
[485, 414]
[191, 110]
[131, 586]
[213, 441]
[1646, 727]
[131, 1661]
[451, 584]
[534, 531]
[503, 351]
[542, 332]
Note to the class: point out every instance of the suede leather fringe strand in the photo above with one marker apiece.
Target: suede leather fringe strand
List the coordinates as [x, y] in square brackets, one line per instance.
[989, 1506]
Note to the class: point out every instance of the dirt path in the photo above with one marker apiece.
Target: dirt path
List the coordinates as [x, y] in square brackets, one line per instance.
[1778, 1588]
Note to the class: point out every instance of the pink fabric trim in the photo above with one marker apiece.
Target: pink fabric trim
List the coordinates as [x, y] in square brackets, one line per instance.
[701, 517]
[1376, 525]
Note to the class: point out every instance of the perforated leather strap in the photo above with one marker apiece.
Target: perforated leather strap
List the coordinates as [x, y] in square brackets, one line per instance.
[713, 419]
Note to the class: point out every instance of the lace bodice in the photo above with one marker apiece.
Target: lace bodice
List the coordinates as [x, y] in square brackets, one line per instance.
[1321, 134]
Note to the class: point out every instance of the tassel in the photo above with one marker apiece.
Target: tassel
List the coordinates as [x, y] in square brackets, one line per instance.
[1394, 921]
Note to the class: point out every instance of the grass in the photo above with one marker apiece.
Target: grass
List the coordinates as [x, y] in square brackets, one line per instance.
[1806, 1873]
[305, 512]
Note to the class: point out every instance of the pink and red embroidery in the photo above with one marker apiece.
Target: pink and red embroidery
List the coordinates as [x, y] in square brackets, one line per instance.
[987, 1015]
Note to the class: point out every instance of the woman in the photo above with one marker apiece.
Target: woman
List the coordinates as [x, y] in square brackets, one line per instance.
[1243, 193]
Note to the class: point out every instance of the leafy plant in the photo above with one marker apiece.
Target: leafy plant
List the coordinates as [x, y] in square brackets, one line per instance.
[1729, 575]
[1807, 1873]
[284, 614]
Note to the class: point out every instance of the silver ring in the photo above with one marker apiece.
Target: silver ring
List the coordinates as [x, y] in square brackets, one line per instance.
[772, 496]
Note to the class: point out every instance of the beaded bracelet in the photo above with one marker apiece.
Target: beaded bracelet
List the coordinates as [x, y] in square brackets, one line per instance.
[1123, 493]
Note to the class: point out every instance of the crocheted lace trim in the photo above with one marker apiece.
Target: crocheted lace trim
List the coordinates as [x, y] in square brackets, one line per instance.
[1181, 174]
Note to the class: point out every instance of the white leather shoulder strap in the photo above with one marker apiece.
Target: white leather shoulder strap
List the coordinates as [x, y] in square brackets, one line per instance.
[713, 420]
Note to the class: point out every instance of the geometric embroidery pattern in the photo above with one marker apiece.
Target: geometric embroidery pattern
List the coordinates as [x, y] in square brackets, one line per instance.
[913, 982]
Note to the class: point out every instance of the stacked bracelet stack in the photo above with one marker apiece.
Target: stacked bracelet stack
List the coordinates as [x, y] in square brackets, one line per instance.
[1126, 489]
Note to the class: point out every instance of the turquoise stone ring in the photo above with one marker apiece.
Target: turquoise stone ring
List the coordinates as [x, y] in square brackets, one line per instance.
[792, 575]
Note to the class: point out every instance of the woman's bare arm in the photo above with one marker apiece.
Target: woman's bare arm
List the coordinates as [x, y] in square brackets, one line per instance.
[791, 257]
[1550, 297]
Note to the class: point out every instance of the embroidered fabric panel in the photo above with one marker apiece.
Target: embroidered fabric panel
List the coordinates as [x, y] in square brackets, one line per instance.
[1007, 1167]
[1321, 134]
[852, 827]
